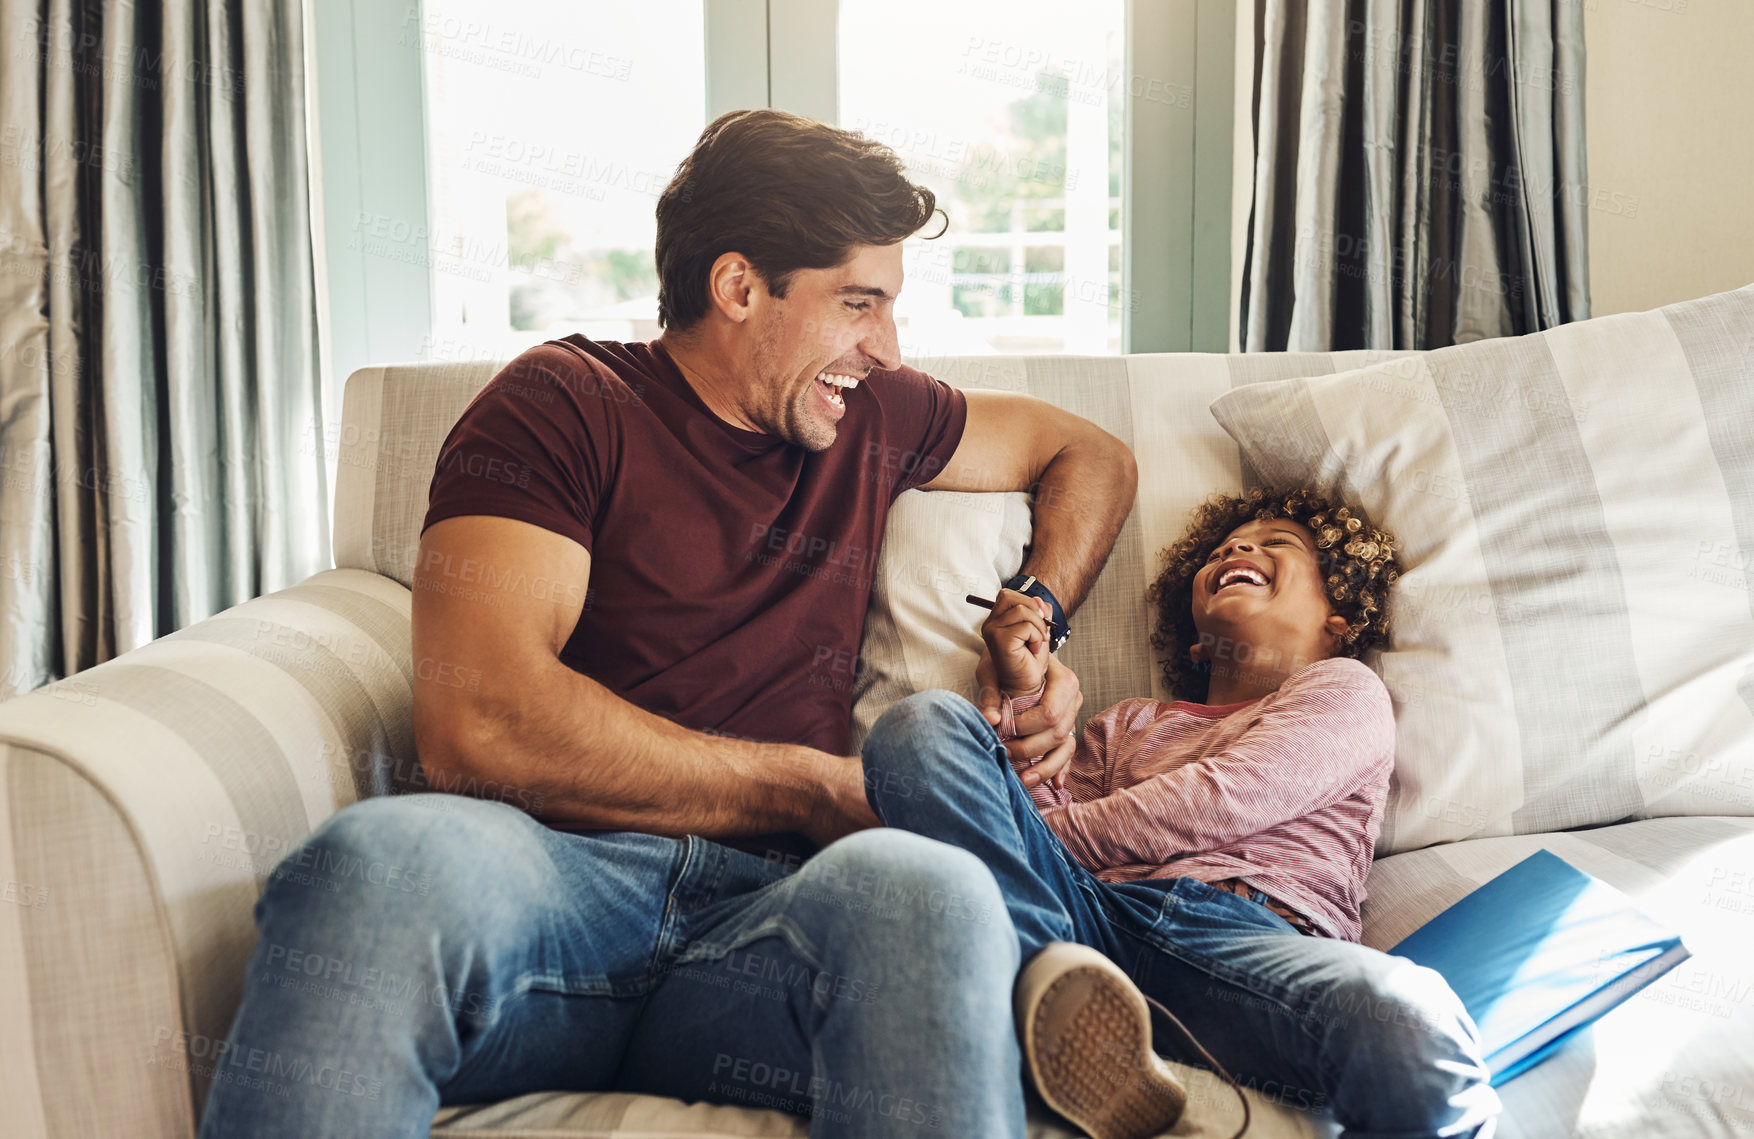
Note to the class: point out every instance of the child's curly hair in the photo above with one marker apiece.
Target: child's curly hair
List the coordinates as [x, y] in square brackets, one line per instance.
[1358, 560]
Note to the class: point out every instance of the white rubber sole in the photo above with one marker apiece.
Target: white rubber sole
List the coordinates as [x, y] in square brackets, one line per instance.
[1087, 1039]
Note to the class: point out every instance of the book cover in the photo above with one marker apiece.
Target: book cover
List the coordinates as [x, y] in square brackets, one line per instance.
[1539, 952]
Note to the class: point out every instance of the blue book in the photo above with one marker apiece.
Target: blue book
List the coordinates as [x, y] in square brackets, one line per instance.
[1539, 952]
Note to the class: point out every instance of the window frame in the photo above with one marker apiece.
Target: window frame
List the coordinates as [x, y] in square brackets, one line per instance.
[1178, 118]
[366, 97]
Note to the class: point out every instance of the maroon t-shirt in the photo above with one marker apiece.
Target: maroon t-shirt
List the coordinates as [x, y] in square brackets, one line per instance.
[730, 570]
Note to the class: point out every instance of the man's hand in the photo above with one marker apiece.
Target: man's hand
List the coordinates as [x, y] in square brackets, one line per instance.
[1044, 730]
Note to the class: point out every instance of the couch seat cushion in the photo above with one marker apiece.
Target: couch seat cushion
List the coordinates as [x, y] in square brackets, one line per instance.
[1677, 1060]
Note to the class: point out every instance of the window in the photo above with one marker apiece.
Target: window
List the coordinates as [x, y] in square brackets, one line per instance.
[552, 127]
[1015, 123]
[489, 168]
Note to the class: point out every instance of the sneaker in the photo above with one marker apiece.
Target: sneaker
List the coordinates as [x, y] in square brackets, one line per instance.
[1087, 1038]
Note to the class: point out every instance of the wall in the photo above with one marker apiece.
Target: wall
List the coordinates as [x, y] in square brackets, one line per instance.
[1669, 109]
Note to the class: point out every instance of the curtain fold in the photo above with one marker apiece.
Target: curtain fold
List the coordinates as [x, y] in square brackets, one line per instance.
[1420, 176]
[159, 380]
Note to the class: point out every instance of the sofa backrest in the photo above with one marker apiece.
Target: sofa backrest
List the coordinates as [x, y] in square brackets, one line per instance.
[920, 633]
[939, 547]
[394, 418]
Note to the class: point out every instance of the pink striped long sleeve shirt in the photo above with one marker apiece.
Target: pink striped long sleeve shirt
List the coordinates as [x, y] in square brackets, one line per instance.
[1285, 792]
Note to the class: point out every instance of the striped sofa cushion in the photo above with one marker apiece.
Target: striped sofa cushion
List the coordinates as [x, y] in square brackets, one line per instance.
[939, 547]
[1574, 641]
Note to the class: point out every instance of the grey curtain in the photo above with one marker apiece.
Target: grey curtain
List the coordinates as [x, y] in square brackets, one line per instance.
[159, 386]
[1420, 177]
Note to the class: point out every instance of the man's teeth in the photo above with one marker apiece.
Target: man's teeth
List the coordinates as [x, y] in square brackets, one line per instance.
[837, 384]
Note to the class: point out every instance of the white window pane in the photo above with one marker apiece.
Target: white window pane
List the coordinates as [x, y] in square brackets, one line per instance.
[552, 127]
[1011, 115]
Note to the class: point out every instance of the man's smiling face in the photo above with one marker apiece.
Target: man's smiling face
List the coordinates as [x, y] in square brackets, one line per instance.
[815, 345]
[1263, 587]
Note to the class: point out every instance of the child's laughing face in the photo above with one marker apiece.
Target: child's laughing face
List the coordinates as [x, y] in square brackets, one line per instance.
[1261, 601]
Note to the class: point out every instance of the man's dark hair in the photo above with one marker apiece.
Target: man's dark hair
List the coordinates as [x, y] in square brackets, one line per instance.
[785, 191]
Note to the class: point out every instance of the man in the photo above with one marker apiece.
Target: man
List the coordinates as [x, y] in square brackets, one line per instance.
[689, 898]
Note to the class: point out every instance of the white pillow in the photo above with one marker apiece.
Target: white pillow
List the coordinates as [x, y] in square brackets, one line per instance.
[920, 630]
[1573, 641]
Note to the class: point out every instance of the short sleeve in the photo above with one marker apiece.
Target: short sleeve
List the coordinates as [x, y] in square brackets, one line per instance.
[923, 418]
[526, 448]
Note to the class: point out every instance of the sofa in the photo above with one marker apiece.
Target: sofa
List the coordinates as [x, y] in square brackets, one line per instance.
[144, 801]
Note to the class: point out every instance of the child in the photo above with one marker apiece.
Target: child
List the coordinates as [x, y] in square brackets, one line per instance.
[1213, 851]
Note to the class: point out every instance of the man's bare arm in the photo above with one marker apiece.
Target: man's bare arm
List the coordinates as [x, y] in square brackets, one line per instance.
[1081, 478]
[495, 601]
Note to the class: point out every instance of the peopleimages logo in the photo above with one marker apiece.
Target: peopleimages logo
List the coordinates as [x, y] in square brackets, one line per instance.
[737, 1075]
[23, 893]
[263, 1068]
[336, 978]
[327, 867]
[506, 48]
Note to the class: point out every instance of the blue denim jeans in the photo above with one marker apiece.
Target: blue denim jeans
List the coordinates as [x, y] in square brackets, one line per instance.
[433, 949]
[1309, 1022]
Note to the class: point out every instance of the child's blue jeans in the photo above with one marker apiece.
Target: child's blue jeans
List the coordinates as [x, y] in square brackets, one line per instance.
[1310, 1022]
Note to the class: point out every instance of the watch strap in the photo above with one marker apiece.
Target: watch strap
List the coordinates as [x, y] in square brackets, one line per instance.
[1031, 586]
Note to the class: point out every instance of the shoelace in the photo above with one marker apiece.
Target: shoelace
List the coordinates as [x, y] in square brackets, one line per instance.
[1219, 1068]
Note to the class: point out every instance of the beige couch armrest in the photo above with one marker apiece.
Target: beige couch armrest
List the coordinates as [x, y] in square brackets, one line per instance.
[142, 804]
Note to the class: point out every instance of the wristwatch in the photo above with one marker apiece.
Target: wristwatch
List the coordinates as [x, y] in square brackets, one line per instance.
[1025, 584]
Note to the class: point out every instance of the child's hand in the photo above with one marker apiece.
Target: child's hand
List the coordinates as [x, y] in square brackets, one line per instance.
[1016, 633]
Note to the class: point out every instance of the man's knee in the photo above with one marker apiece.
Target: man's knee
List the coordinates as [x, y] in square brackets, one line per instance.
[883, 860]
[940, 893]
[401, 854]
[392, 826]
